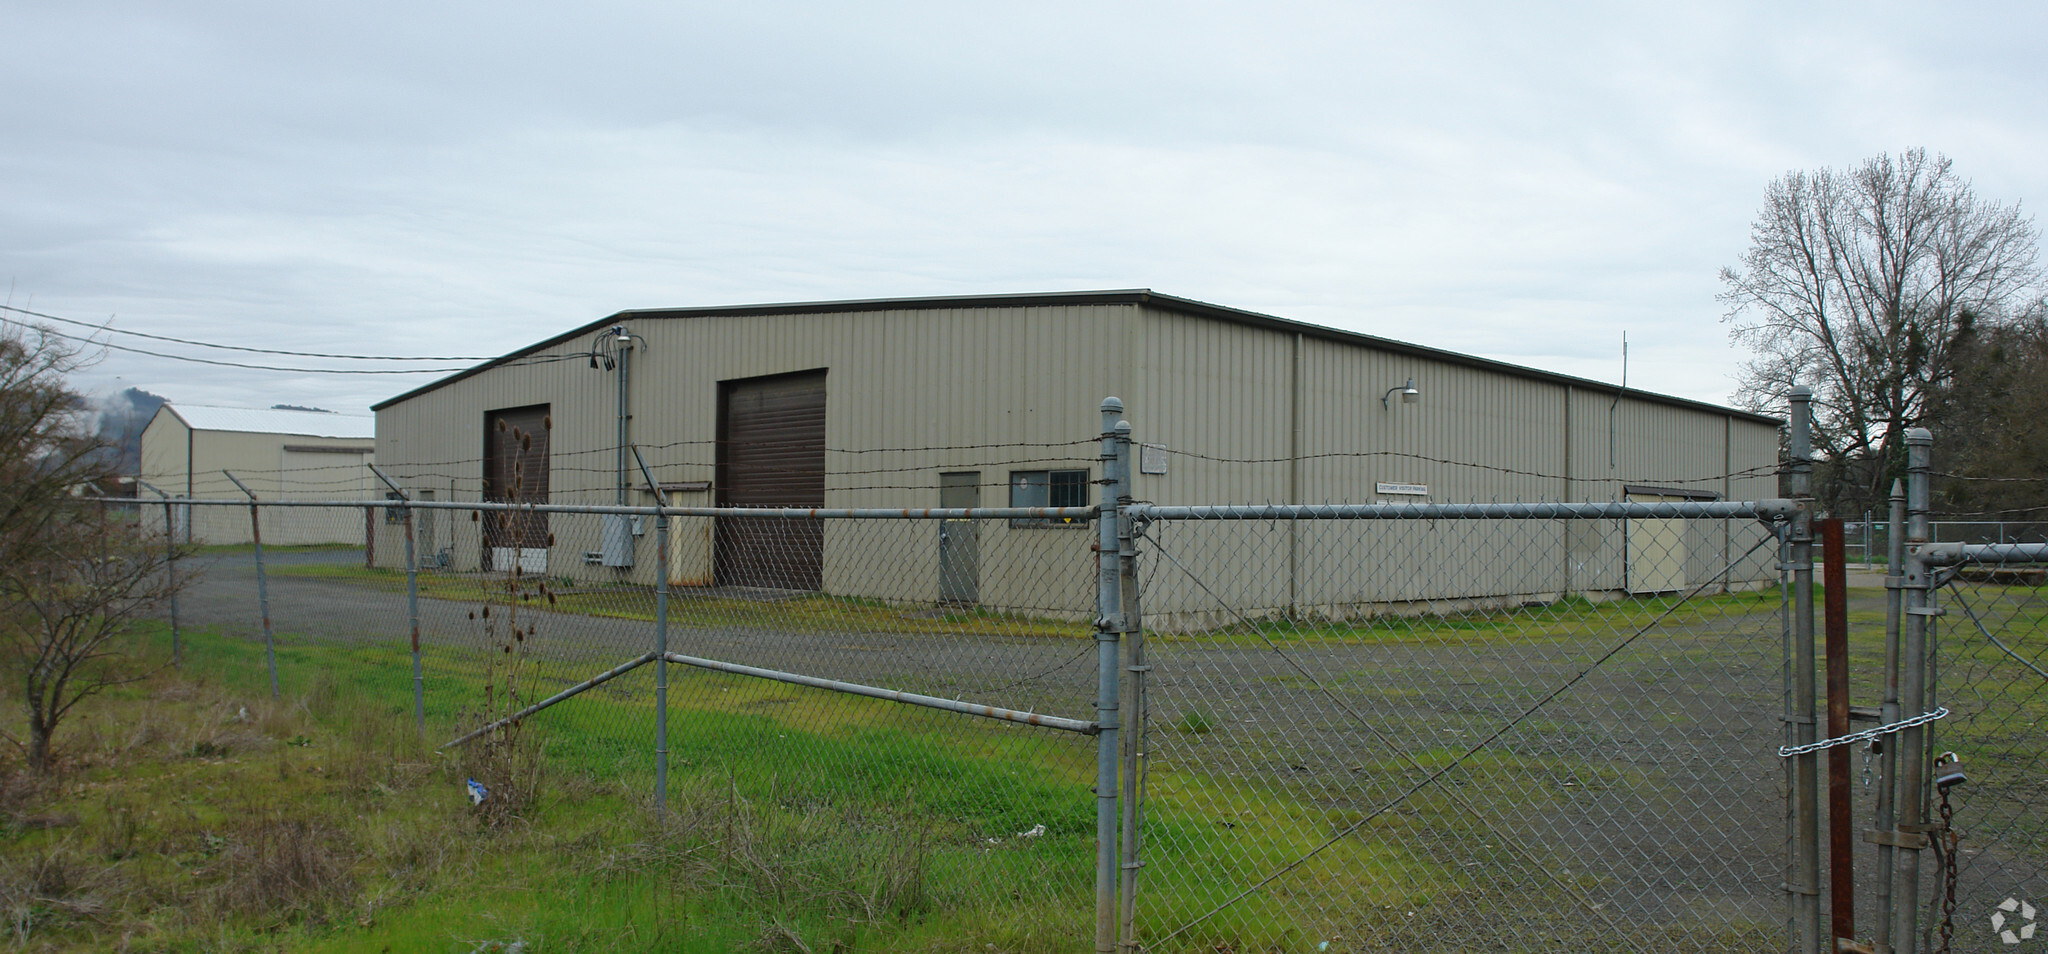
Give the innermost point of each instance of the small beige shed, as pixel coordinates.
(189, 449)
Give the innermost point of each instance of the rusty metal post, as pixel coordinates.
(262, 587)
(1841, 833)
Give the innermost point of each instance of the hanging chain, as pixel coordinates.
(1946, 844)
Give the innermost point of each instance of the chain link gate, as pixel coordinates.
(1988, 887)
(1453, 727)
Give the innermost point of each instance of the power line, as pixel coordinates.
(224, 364)
(227, 347)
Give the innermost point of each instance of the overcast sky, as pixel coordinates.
(465, 179)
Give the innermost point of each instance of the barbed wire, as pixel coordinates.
(1989, 480)
(1083, 460)
(1772, 469)
(647, 448)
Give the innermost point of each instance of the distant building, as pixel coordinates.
(189, 449)
(992, 401)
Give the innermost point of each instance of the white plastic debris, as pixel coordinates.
(1037, 831)
(477, 793)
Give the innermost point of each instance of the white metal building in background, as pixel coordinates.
(188, 449)
(992, 401)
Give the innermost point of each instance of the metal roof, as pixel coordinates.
(1130, 296)
(252, 420)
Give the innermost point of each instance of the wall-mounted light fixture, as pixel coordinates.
(1407, 391)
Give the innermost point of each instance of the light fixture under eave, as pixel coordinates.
(1409, 395)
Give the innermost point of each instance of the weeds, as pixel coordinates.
(1196, 722)
(50, 889)
(282, 868)
(503, 769)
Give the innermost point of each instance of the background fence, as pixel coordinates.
(1524, 727)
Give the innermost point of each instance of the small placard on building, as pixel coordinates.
(1402, 490)
(1151, 458)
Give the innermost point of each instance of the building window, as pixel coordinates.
(1048, 488)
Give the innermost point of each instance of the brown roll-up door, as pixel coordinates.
(516, 471)
(771, 453)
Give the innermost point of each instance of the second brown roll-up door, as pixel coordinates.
(771, 453)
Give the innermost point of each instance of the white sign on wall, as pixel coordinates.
(1151, 458)
(1403, 490)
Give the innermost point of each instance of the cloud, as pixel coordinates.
(1518, 182)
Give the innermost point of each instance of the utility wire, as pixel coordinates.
(227, 347)
(224, 364)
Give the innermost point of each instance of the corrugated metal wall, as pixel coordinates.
(1231, 404)
(911, 393)
(270, 469)
(914, 392)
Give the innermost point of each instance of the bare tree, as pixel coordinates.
(1860, 284)
(47, 446)
(72, 593)
(73, 577)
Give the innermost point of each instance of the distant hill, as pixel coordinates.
(122, 419)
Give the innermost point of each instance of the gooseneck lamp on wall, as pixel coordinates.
(1409, 395)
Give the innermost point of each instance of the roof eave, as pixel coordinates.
(1123, 296)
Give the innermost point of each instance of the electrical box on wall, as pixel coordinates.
(618, 540)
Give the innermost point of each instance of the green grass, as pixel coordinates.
(1573, 618)
(796, 818)
(224, 548)
(814, 613)
(871, 829)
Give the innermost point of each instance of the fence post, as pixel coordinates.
(1134, 743)
(412, 597)
(660, 631)
(1805, 886)
(1888, 713)
(1911, 792)
(1108, 627)
(661, 662)
(170, 572)
(262, 587)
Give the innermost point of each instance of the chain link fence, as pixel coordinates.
(1991, 665)
(1427, 726)
(899, 707)
(1452, 728)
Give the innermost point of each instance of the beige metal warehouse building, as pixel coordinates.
(992, 401)
(280, 454)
